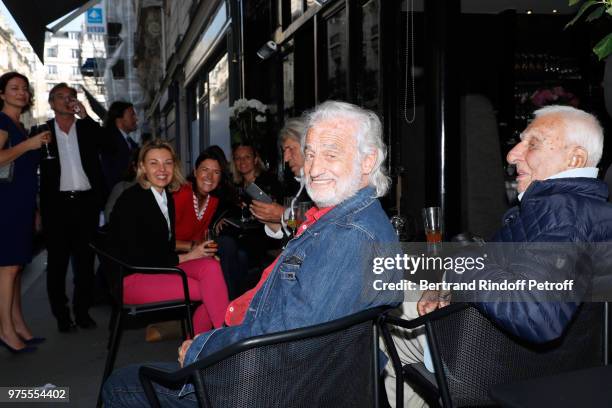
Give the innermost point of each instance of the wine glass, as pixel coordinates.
(43, 127)
(243, 199)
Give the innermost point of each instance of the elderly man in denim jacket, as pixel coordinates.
(325, 272)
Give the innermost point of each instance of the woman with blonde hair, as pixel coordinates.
(142, 228)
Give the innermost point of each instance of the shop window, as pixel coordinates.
(368, 87)
(288, 83)
(219, 105)
(337, 56)
(170, 125)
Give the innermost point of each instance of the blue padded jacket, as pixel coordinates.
(565, 210)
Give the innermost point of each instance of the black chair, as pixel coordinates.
(471, 354)
(123, 314)
(333, 364)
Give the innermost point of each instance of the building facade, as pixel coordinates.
(65, 55)
(120, 74)
(17, 55)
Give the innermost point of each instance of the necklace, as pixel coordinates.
(199, 214)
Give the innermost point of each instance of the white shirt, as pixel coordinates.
(282, 231)
(588, 172)
(162, 202)
(72, 175)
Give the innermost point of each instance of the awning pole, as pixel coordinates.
(73, 15)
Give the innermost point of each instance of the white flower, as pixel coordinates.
(260, 118)
(261, 107)
(252, 103)
(239, 106)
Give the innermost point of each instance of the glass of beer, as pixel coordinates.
(209, 235)
(297, 215)
(434, 224)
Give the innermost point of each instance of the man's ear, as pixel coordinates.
(578, 157)
(368, 162)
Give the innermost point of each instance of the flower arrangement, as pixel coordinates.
(557, 95)
(248, 121)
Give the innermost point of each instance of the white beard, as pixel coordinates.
(344, 190)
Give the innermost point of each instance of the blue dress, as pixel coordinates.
(18, 201)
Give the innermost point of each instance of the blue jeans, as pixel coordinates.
(123, 389)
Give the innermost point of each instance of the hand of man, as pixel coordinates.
(182, 351)
(264, 212)
(432, 300)
(219, 226)
(79, 109)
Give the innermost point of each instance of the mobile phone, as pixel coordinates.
(257, 193)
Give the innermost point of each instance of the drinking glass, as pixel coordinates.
(433, 223)
(243, 197)
(209, 235)
(43, 127)
(297, 215)
(75, 107)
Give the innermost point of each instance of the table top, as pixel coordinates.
(590, 387)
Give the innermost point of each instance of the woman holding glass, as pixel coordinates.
(199, 204)
(19, 156)
(142, 227)
(196, 202)
(247, 168)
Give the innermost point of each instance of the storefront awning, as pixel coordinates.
(33, 16)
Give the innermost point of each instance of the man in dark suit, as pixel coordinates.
(120, 121)
(72, 192)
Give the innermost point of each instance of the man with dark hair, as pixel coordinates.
(120, 121)
(72, 193)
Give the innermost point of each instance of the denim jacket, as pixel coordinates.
(322, 275)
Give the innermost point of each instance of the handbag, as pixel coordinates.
(6, 171)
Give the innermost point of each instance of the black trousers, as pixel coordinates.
(70, 221)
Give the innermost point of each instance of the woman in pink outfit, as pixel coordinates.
(142, 227)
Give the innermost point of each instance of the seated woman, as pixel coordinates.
(142, 228)
(198, 204)
(247, 168)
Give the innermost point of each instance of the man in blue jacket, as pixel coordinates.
(325, 272)
(562, 206)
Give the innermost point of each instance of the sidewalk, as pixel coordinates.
(74, 360)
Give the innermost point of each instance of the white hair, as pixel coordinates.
(581, 128)
(293, 129)
(368, 136)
